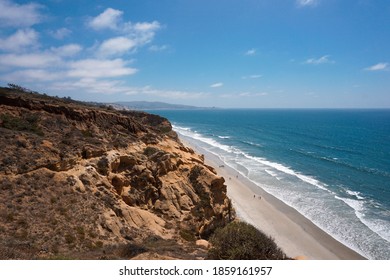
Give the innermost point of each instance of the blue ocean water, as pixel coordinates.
(333, 166)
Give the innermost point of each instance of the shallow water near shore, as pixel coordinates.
(333, 166)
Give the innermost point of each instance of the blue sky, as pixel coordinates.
(224, 53)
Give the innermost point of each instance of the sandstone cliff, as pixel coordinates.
(79, 181)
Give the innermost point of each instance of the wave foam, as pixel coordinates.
(355, 194)
(291, 172)
(200, 137)
(378, 226)
(229, 149)
(273, 174)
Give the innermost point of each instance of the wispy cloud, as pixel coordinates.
(16, 15)
(132, 35)
(31, 60)
(21, 39)
(250, 52)
(96, 68)
(249, 94)
(216, 85)
(170, 94)
(92, 85)
(382, 66)
(60, 33)
(117, 46)
(109, 19)
(33, 75)
(255, 76)
(304, 3)
(322, 60)
(156, 48)
(67, 50)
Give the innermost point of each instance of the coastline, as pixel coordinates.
(296, 235)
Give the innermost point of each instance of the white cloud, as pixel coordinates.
(146, 26)
(67, 50)
(20, 39)
(170, 94)
(378, 67)
(132, 35)
(32, 75)
(216, 85)
(44, 59)
(248, 94)
(255, 76)
(322, 60)
(33, 60)
(116, 46)
(304, 3)
(156, 48)
(142, 32)
(109, 19)
(95, 68)
(93, 85)
(112, 19)
(61, 33)
(15, 15)
(250, 52)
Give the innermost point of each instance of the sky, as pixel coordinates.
(222, 53)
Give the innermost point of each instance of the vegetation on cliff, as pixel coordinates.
(241, 241)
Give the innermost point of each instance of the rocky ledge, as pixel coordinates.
(88, 182)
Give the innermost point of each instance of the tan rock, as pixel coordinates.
(111, 223)
(139, 218)
(203, 243)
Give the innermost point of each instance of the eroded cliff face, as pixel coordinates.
(85, 182)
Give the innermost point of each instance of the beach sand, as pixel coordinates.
(294, 234)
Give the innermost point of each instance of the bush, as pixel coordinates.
(29, 122)
(241, 241)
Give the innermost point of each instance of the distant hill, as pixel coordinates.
(145, 105)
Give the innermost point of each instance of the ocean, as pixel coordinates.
(333, 166)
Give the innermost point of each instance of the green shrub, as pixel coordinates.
(241, 241)
(29, 122)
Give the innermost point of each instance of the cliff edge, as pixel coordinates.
(87, 182)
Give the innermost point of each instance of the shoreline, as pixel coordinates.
(296, 235)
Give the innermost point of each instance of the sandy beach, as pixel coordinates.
(295, 234)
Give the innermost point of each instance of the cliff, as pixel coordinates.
(87, 182)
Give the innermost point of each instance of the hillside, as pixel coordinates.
(85, 182)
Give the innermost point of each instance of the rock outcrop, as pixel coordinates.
(80, 181)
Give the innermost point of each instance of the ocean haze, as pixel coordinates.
(149, 105)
